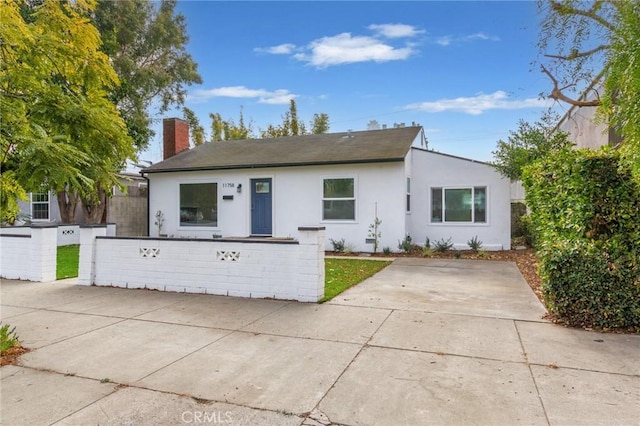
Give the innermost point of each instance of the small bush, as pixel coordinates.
(406, 245)
(527, 231)
(474, 244)
(338, 245)
(386, 250)
(427, 243)
(457, 254)
(442, 245)
(586, 286)
(427, 252)
(8, 338)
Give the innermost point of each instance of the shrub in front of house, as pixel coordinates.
(338, 245)
(442, 245)
(586, 223)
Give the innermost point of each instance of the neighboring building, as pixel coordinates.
(342, 181)
(42, 207)
(581, 123)
(127, 210)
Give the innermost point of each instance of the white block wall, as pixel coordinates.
(29, 257)
(291, 270)
(68, 235)
(15, 230)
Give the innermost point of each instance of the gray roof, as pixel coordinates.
(331, 148)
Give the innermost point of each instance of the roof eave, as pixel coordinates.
(272, 165)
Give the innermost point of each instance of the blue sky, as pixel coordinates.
(462, 70)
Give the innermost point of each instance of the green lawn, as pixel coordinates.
(340, 274)
(67, 261)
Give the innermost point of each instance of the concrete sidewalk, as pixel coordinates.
(425, 341)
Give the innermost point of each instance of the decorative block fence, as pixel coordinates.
(29, 252)
(29, 256)
(257, 268)
(67, 234)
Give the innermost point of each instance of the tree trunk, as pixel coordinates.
(67, 203)
(93, 209)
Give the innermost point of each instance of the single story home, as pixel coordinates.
(342, 181)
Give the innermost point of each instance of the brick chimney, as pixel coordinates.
(175, 136)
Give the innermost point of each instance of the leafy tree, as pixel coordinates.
(291, 124)
(195, 129)
(217, 127)
(373, 125)
(10, 193)
(320, 123)
(529, 143)
(228, 130)
(146, 42)
(597, 40)
(59, 130)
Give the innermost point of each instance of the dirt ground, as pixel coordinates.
(11, 355)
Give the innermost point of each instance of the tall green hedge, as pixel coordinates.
(585, 216)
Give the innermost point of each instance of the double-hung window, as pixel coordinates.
(459, 205)
(338, 199)
(40, 205)
(199, 204)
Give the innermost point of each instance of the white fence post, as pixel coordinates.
(311, 266)
(44, 249)
(86, 267)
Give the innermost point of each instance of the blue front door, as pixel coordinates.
(261, 206)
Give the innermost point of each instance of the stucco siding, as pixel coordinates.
(431, 169)
(584, 128)
(297, 201)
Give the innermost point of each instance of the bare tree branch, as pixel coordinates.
(575, 54)
(556, 93)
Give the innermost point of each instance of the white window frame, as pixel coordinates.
(473, 210)
(218, 204)
(354, 198)
(48, 203)
(408, 197)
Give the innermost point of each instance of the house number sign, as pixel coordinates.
(228, 185)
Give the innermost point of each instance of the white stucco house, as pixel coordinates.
(341, 181)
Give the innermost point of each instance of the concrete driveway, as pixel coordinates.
(425, 341)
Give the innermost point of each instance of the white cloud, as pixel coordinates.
(280, 96)
(476, 105)
(444, 40)
(345, 49)
(281, 49)
(395, 30)
(277, 98)
(480, 36)
(449, 39)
